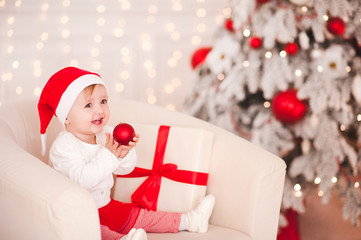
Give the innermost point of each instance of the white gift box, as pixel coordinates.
(188, 148)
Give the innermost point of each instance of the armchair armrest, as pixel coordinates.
(36, 202)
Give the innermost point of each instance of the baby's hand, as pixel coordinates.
(120, 151)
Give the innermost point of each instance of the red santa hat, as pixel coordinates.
(59, 94)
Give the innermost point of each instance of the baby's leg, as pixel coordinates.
(158, 221)
(108, 234)
(195, 220)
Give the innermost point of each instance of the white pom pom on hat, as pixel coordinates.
(59, 94)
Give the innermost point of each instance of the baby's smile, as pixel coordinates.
(97, 121)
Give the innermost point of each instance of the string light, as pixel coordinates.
(74, 63)
(319, 68)
(227, 12)
(172, 62)
(298, 73)
(152, 9)
(170, 27)
(124, 75)
(246, 32)
(15, 64)
(201, 12)
(11, 20)
(100, 9)
(245, 63)
(152, 99)
(175, 36)
(304, 9)
(125, 4)
(10, 33)
(66, 3)
(196, 40)
(359, 117)
(37, 91)
(177, 6)
(283, 53)
(170, 107)
(220, 76)
(297, 187)
(100, 22)
(97, 65)
(119, 87)
(177, 54)
(266, 104)
(169, 89)
(19, 90)
(317, 180)
(268, 54)
(93, 45)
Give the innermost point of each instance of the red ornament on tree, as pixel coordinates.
(287, 108)
(199, 56)
(123, 133)
(228, 24)
(336, 26)
(262, 1)
(291, 48)
(255, 42)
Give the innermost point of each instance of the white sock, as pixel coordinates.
(183, 223)
(198, 218)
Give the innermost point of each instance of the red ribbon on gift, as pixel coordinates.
(146, 195)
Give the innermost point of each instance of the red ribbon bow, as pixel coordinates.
(146, 195)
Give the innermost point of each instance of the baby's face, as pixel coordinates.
(89, 114)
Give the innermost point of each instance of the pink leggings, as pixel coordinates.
(150, 221)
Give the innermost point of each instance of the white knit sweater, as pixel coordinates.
(90, 165)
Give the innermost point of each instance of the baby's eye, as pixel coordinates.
(88, 105)
(104, 101)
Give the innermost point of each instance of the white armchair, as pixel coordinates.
(38, 203)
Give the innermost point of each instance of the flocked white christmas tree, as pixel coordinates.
(286, 74)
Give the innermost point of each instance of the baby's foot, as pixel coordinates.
(135, 234)
(197, 219)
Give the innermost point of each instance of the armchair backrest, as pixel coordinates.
(246, 180)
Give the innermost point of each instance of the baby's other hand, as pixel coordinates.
(120, 151)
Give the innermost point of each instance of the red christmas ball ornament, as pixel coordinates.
(228, 24)
(336, 26)
(255, 42)
(262, 1)
(287, 108)
(291, 48)
(123, 133)
(199, 56)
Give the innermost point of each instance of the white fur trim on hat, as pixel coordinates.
(72, 92)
